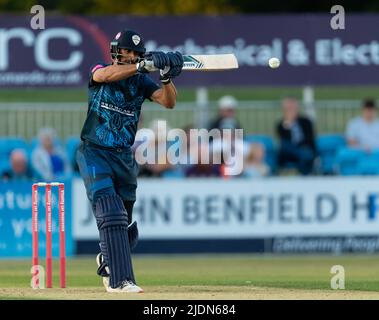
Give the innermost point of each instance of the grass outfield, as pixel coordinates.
(208, 277)
(187, 94)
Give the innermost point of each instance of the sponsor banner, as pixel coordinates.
(16, 220)
(243, 209)
(281, 245)
(335, 245)
(311, 52)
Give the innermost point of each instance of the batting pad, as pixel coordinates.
(112, 222)
(119, 259)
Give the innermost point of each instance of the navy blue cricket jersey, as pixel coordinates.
(114, 109)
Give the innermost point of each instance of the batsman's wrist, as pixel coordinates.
(165, 81)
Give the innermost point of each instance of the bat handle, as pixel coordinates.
(149, 65)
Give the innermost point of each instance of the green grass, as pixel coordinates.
(215, 273)
(189, 94)
(284, 272)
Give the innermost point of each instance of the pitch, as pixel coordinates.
(252, 277)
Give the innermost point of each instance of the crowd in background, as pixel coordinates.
(296, 150)
(47, 161)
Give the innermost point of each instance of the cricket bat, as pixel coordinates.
(204, 62)
(210, 62)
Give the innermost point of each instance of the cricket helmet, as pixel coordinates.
(127, 39)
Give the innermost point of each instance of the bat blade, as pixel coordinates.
(210, 62)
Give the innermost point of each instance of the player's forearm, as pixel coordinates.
(114, 73)
(169, 95)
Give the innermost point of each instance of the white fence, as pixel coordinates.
(25, 119)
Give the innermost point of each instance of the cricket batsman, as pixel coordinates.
(105, 160)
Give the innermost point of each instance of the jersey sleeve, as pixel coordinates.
(95, 67)
(149, 87)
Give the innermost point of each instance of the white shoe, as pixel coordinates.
(126, 286)
(99, 260)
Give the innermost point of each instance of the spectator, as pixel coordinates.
(157, 161)
(188, 157)
(226, 118)
(48, 160)
(297, 138)
(201, 169)
(254, 164)
(232, 153)
(363, 132)
(19, 167)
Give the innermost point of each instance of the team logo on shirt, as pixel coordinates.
(112, 107)
(136, 39)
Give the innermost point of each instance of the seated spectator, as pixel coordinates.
(297, 138)
(232, 151)
(255, 166)
(19, 167)
(202, 168)
(48, 160)
(157, 157)
(226, 118)
(363, 132)
(191, 147)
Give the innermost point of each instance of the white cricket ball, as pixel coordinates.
(274, 63)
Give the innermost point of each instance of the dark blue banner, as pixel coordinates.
(311, 52)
